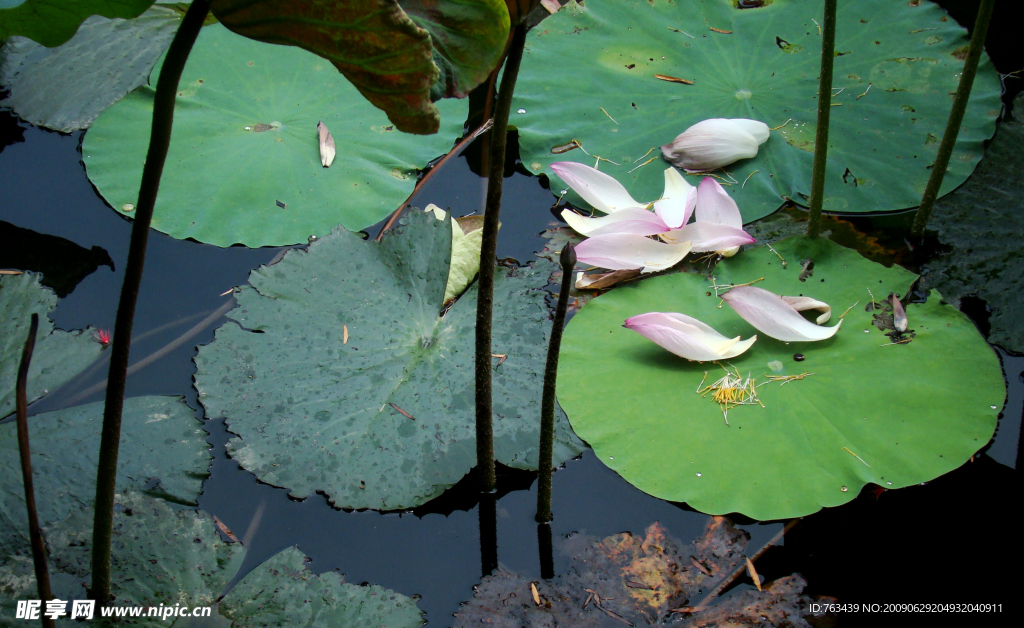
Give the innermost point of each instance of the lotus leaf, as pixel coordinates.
(980, 222)
(53, 22)
(897, 63)
(244, 161)
(341, 377)
(59, 355)
(867, 409)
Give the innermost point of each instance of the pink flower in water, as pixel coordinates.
(101, 336)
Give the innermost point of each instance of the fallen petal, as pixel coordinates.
(600, 281)
(899, 315)
(705, 237)
(677, 203)
(327, 151)
(710, 144)
(770, 314)
(622, 251)
(635, 220)
(687, 337)
(715, 205)
(759, 130)
(801, 304)
(595, 187)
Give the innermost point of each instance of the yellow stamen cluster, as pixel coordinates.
(731, 391)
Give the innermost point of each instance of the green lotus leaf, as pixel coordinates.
(283, 592)
(872, 411)
(388, 54)
(53, 22)
(980, 222)
(163, 452)
(896, 68)
(341, 378)
(58, 356)
(65, 88)
(244, 161)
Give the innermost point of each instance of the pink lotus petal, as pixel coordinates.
(687, 337)
(801, 304)
(600, 190)
(635, 220)
(709, 236)
(677, 203)
(770, 314)
(715, 205)
(621, 251)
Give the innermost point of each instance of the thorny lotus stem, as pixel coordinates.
(488, 533)
(159, 140)
(547, 556)
(547, 408)
(956, 117)
(828, 48)
(21, 401)
(488, 251)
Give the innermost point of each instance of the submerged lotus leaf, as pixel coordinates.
(244, 161)
(872, 412)
(65, 88)
(58, 356)
(283, 592)
(53, 22)
(163, 452)
(897, 65)
(981, 222)
(340, 377)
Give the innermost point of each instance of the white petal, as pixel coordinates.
(599, 281)
(635, 220)
(677, 203)
(600, 190)
(899, 315)
(621, 251)
(709, 236)
(801, 304)
(327, 148)
(715, 205)
(687, 337)
(710, 144)
(756, 128)
(770, 314)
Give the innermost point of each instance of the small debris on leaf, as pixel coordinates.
(327, 150)
(673, 79)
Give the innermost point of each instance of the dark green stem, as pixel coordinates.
(547, 407)
(488, 533)
(35, 535)
(159, 140)
(488, 252)
(956, 118)
(828, 48)
(547, 556)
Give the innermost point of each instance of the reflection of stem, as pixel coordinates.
(547, 556)
(159, 141)
(488, 534)
(21, 401)
(488, 251)
(956, 117)
(547, 406)
(828, 47)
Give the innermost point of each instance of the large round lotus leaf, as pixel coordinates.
(244, 161)
(163, 452)
(897, 65)
(982, 223)
(341, 378)
(58, 356)
(53, 22)
(283, 592)
(911, 411)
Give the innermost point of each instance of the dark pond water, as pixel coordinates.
(955, 539)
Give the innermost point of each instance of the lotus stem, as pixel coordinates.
(488, 252)
(488, 533)
(828, 48)
(547, 556)
(547, 409)
(159, 140)
(35, 535)
(956, 118)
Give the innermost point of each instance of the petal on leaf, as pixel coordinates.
(677, 203)
(705, 237)
(770, 314)
(635, 220)
(600, 190)
(687, 337)
(623, 251)
(715, 205)
(801, 304)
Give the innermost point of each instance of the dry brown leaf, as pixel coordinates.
(536, 595)
(344, 334)
(327, 150)
(223, 528)
(753, 573)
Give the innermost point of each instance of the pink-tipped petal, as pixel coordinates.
(709, 236)
(622, 251)
(600, 190)
(635, 220)
(770, 314)
(677, 203)
(687, 337)
(899, 315)
(715, 205)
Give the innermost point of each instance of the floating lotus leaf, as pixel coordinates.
(163, 452)
(244, 161)
(981, 221)
(872, 411)
(58, 356)
(897, 65)
(53, 22)
(65, 88)
(341, 378)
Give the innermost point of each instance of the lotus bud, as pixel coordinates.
(715, 143)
